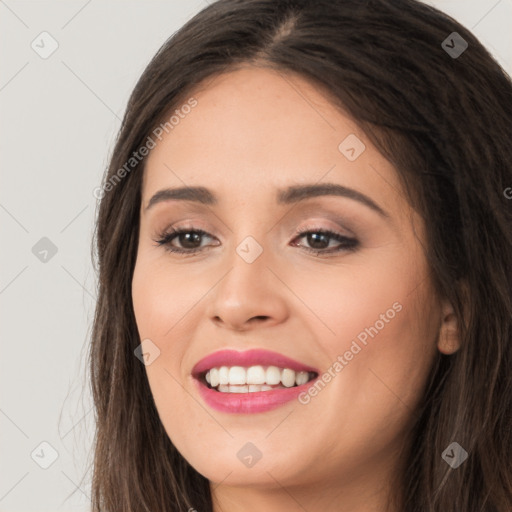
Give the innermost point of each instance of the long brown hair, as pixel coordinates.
(445, 122)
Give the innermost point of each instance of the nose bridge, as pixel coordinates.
(248, 289)
(250, 250)
(250, 235)
(247, 278)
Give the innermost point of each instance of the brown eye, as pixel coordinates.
(319, 240)
(189, 239)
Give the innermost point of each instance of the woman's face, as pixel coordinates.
(362, 312)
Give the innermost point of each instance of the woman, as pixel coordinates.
(304, 246)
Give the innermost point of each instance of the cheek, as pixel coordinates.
(164, 298)
(375, 332)
(377, 364)
(368, 300)
(162, 308)
(166, 304)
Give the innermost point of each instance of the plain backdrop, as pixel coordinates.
(59, 119)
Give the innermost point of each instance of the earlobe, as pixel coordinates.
(449, 341)
(449, 335)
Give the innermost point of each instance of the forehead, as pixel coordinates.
(254, 112)
(254, 130)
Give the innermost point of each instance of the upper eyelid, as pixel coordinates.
(309, 225)
(337, 221)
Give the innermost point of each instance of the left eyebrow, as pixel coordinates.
(288, 195)
(298, 193)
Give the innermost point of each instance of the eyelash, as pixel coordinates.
(348, 244)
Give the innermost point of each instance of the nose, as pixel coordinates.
(249, 295)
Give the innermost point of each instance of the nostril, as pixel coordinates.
(259, 317)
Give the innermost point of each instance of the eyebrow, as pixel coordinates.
(292, 194)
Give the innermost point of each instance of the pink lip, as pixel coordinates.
(248, 403)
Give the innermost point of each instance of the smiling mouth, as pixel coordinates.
(239, 379)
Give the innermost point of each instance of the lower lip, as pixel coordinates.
(249, 403)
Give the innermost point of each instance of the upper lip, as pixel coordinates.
(248, 358)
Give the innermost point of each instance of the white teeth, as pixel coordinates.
(214, 377)
(256, 375)
(237, 375)
(237, 379)
(259, 387)
(239, 389)
(224, 375)
(251, 388)
(273, 375)
(301, 378)
(288, 377)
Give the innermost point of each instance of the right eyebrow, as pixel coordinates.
(198, 194)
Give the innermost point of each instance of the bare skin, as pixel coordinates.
(250, 134)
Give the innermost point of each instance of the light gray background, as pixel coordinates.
(59, 119)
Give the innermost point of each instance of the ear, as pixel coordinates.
(448, 340)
